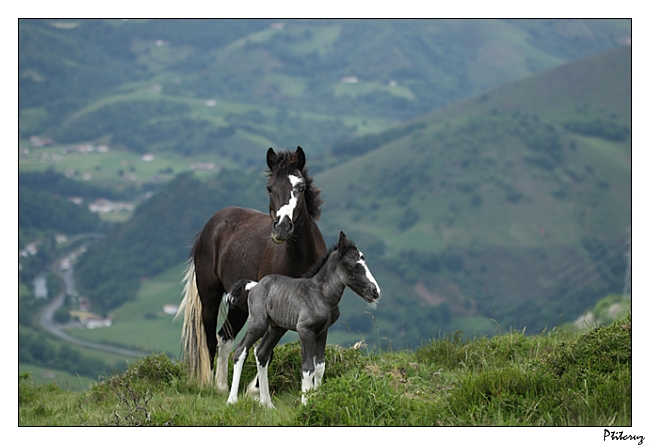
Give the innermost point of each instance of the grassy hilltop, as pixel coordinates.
(551, 379)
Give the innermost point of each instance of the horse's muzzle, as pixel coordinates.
(280, 232)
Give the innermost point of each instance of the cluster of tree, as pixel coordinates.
(412, 265)
(57, 184)
(44, 211)
(160, 233)
(602, 128)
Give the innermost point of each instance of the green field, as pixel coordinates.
(142, 323)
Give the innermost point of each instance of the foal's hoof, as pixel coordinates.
(223, 389)
(231, 400)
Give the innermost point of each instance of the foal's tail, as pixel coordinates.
(195, 347)
(238, 295)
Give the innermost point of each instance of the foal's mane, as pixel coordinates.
(321, 261)
(286, 163)
(318, 265)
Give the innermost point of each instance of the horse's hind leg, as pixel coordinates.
(226, 338)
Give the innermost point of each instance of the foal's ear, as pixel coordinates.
(343, 241)
(301, 158)
(271, 158)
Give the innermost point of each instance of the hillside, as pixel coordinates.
(513, 205)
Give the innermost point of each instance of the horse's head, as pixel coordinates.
(286, 186)
(357, 275)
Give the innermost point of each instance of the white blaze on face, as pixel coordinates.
(362, 261)
(287, 209)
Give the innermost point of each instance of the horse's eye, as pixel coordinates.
(269, 189)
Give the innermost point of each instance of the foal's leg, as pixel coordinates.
(321, 343)
(239, 357)
(263, 353)
(319, 359)
(308, 349)
(255, 331)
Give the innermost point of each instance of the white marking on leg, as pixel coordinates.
(263, 376)
(319, 372)
(221, 378)
(236, 376)
(307, 385)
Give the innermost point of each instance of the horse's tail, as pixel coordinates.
(195, 347)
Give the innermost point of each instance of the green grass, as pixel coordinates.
(553, 379)
(41, 376)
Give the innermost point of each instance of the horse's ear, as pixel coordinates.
(301, 158)
(343, 241)
(271, 158)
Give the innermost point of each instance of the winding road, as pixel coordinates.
(46, 317)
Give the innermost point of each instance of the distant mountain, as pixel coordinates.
(228, 86)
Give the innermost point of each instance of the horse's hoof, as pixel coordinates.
(253, 391)
(268, 404)
(223, 389)
(231, 400)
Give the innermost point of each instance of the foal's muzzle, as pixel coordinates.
(375, 292)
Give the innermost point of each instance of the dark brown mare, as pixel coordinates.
(237, 244)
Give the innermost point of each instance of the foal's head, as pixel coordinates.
(291, 194)
(357, 275)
